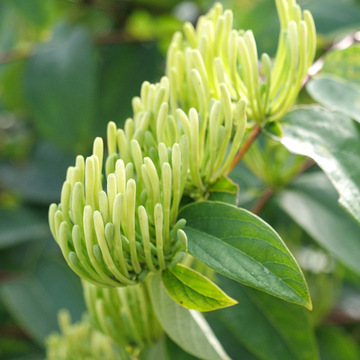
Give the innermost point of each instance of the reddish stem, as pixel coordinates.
(253, 135)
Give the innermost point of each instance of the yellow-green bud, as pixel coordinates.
(114, 236)
(80, 341)
(124, 314)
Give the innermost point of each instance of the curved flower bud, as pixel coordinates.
(214, 140)
(217, 54)
(114, 237)
(80, 341)
(124, 314)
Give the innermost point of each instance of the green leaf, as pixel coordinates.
(229, 339)
(241, 246)
(121, 73)
(336, 94)
(193, 290)
(187, 328)
(19, 225)
(311, 202)
(269, 328)
(39, 180)
(224, 190)
(336, 344)
(60, 85)
(35, 298)
(11, 86)
(334, 16)
(344, 63)
(333, 141)
(37, 12)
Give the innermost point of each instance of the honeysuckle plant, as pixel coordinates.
(136, 220)
(201, 59)
(80, 341)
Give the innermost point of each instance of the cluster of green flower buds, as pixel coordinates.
(210, 125)
(124, 314)
(215, 134)
(115, 237)
(80, 341)
(214, 53)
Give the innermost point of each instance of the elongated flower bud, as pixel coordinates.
(214, 139)
(213, 53)
(80, 341)
(114, 236)
(124, 314)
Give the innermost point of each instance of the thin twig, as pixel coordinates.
(342, 44)
(269, 191)
(13, 332)
(263, 200)
(253, 135)
(15, 55)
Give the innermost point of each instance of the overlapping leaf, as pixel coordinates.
(311, 202)
(185, 327)
(336, 94)
(269, 328)
(193, 290)
(333, 141)
(241, 246)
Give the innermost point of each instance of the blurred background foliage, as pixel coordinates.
(68, 67)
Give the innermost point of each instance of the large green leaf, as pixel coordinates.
(336, 94)
(224, 190)
(344, 63)
(311, 202)
(37, 12)
(39, 180)
(35, 298)
(193, 290)
(333, 16)
(121, 73)
(240, 245)
(333, 141)
(19, 225)
(187, 328)
(60, 86)
(269, 328)
(336, 344)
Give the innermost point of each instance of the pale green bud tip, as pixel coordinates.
(113, 236)
(80, 341)
(102, 303)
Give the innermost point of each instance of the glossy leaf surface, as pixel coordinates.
(60, 85)
(335, 343)
(224, 190)
(35, 298)
(241, 246)
(193, 290)
(311, 202)
(187, 328)
(336, 94)
(344, 63)
(269, 328)
(333, 141)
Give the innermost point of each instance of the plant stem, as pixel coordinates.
(15, 55)
(263, 200)
(342, 44)
(253, 135)
(269, 191)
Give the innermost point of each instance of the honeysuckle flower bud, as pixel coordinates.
(216, 54)
(146, 108)
(124, 314)
(80, 341)
(114, 237)
(214, 139)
